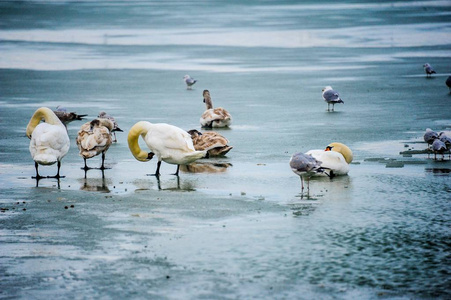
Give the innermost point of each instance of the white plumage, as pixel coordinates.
(49, 141)
(169, 143)
(335, 158)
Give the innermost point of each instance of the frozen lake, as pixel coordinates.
(234, 227)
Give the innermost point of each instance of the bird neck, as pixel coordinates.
(208, 102)
(139, 129)
(42, 113)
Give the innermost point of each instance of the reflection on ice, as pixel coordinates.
(95, 184)
(205, 167)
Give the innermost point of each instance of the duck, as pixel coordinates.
(428, 70)
(104, 115)
(305, 165)
(49, 141)
(95, 138)
(213, 142)
(331, 97)
(335, 158)
(189, 81)
(169, 143)
(67, 117)
(214, 117)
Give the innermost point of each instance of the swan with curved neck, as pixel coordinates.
(169, 143)
(95, 138)
(214, 117)
(49, 141)
(336, 158)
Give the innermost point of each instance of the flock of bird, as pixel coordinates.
(49, 140)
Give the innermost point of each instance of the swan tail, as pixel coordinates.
(139, 129)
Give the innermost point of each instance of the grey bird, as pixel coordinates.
(447, 140)
(438, 147)
(306, 166)
(67, 117)
(104, 115)
(430, 136)
(189, 81)
(331, 97)
(448, 83)
(428, 69)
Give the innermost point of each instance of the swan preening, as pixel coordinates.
(331, 97)
(169, 143)
(214, 117)
(104, 115)
(95, 138)
(332, 161)
(189, 81)
(214, 143)
(49, 141)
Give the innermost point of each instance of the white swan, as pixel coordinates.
(49, 141)
(94, 138)
(335, 158)
(214, 117)
(169, 143)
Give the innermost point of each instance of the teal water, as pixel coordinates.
(238, 227)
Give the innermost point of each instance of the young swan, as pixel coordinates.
(104, 115)
(169, 143)
(94, 138)
(214, 117)
(213, 142)
(49, 141)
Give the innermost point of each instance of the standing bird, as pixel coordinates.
(169, 143)
(189, 81)
(306, 166)
(213, 142)
(430, 136)
(438, 147)
(448, 83)
(214, 117)
(94, 138)
(428, 70)
(447, 140)
(104, 115)
(331, 97)
(67, 117)
(49, 141)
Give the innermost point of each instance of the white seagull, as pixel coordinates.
(428, 70)
(189, 81)
(331, 97)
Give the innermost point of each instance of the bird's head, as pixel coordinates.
(327, 88)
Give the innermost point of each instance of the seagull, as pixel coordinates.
(305, 165)
(429, 136)
(428, 69)
(104, 115)
(331, 97)
(438, 147)
(66, 117)
(189, 81)
(447, 140)
(448, 83)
